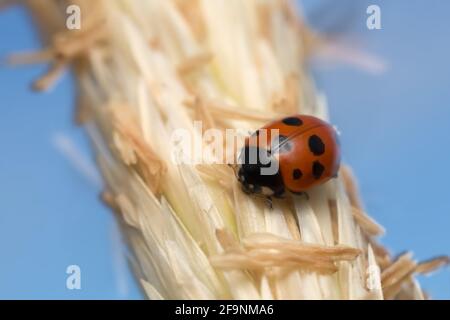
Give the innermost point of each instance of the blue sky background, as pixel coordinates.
(395, 134)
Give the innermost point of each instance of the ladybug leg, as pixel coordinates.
(301, 194)
(268, 199)
(280, 193)
(269, 202)
(235, 169)
(246, 191)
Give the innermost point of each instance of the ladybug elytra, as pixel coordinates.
(304, 152)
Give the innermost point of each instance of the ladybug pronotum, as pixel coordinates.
(305, 152)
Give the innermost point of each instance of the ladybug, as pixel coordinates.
(291, 154)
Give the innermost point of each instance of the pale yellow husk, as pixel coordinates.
(147, 67)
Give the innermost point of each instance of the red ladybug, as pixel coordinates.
(302, 154)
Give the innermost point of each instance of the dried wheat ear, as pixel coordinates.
(146, 68)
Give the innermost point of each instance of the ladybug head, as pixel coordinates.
(259, 172)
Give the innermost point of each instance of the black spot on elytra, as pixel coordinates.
(281, 144)
(316, 145)
(317, 169)
(296, 174)
(292, 121)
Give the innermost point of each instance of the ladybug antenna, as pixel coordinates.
(234, 167)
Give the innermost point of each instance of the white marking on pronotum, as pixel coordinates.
(66, 146)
